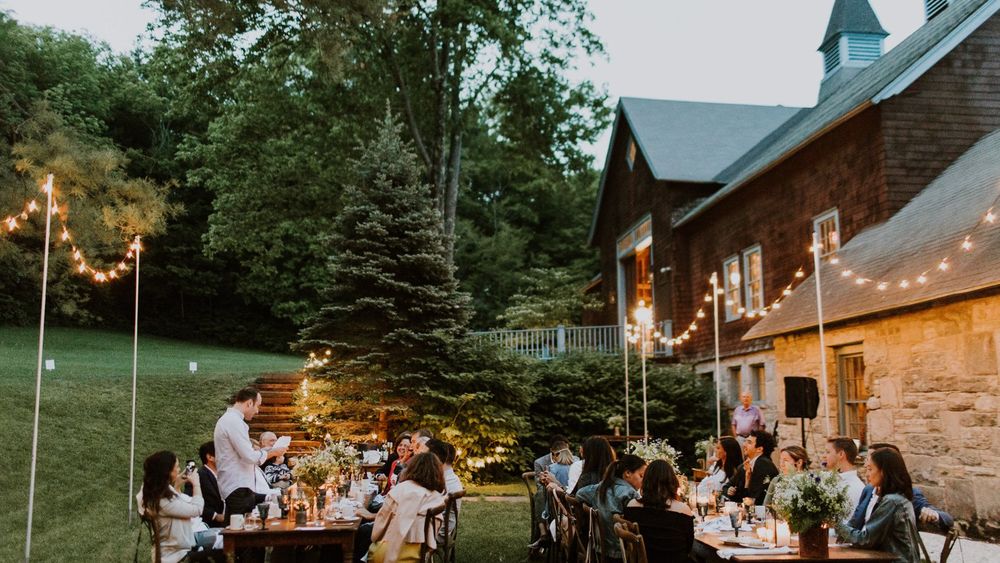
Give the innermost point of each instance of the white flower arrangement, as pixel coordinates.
(811, 498)
(328, 463)
(656, 449)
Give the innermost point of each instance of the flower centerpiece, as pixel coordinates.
(660, 449)
(704, 449)
(330, 462)
(615, 423)
(810, 502)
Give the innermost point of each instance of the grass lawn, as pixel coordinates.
(81, 492)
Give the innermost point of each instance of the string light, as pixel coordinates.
(98, 275)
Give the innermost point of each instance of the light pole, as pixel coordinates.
(625, 349)
(644, 319)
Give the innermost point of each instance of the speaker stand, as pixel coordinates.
(802, 423)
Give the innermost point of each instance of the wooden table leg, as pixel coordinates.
(229, 548)
(347, 547)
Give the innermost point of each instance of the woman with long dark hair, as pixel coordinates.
(597, 456)
(399, 526)
(621, 483)
(665, 522)
(892, 526)
(171, 510)
(728, 458)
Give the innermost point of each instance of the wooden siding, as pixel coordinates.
(942, 114)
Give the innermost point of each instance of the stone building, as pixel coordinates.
(911, 312)
(689, 190)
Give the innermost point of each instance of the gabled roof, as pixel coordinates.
(889, 75)
(852, 16)
(930, 228)
(690, 141)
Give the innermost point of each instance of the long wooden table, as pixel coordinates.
(707, 546)
(282, 533)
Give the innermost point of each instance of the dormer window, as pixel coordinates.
(630, 153)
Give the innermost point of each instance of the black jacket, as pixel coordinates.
(213, 500)
(763, 471)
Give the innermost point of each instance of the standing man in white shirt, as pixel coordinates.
(841, 453)
(235, 458)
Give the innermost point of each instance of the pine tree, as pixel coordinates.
(392, 306)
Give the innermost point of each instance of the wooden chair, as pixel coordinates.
(445, 552)
(154, 538)
(586, 544)
(430, 530)
(529, 482)
(557, 512)
(632, 545)
(595, 524)
(949, 543)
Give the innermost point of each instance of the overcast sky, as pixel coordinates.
(738, 51)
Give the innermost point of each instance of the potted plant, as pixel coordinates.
(811, 502)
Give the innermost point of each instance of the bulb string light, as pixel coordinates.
(751, 314)
(80, 265)
(939, 268)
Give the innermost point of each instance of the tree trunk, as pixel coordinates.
(451, 198)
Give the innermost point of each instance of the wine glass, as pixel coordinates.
(736, 519)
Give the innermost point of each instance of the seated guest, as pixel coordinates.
(892, 526)
(792, 459)
(597, 456)
(214, 513)
(841, 455)
(394, 464)
(619, 486)
(728, 458)
(754, 476)
(399, 527)
(925, 511)
(171, 511)
(419, 444)
(666, 523)
(541, 467)
(562, 458)
(276, 469)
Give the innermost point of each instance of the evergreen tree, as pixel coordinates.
(392, 306)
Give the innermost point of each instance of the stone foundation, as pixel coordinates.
(934, 391)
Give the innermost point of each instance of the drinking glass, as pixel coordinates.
(263, 509)
(736, 519)
(703, 510)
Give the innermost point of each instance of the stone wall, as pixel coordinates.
(934, 391)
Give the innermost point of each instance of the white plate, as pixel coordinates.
(754, 544)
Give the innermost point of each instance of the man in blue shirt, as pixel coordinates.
(925, 511)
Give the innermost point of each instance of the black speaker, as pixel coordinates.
(801, 397)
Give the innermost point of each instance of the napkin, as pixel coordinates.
(730, 553)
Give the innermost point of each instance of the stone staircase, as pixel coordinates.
(277, 414)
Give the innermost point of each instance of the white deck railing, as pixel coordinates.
(546, 343)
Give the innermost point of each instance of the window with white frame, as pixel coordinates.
(630, 152)
(827, 225)
(753, 278)
(731, 284)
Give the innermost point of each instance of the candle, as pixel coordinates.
(784, 534)
(764, 534)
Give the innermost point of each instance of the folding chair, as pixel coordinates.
(632, 545)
